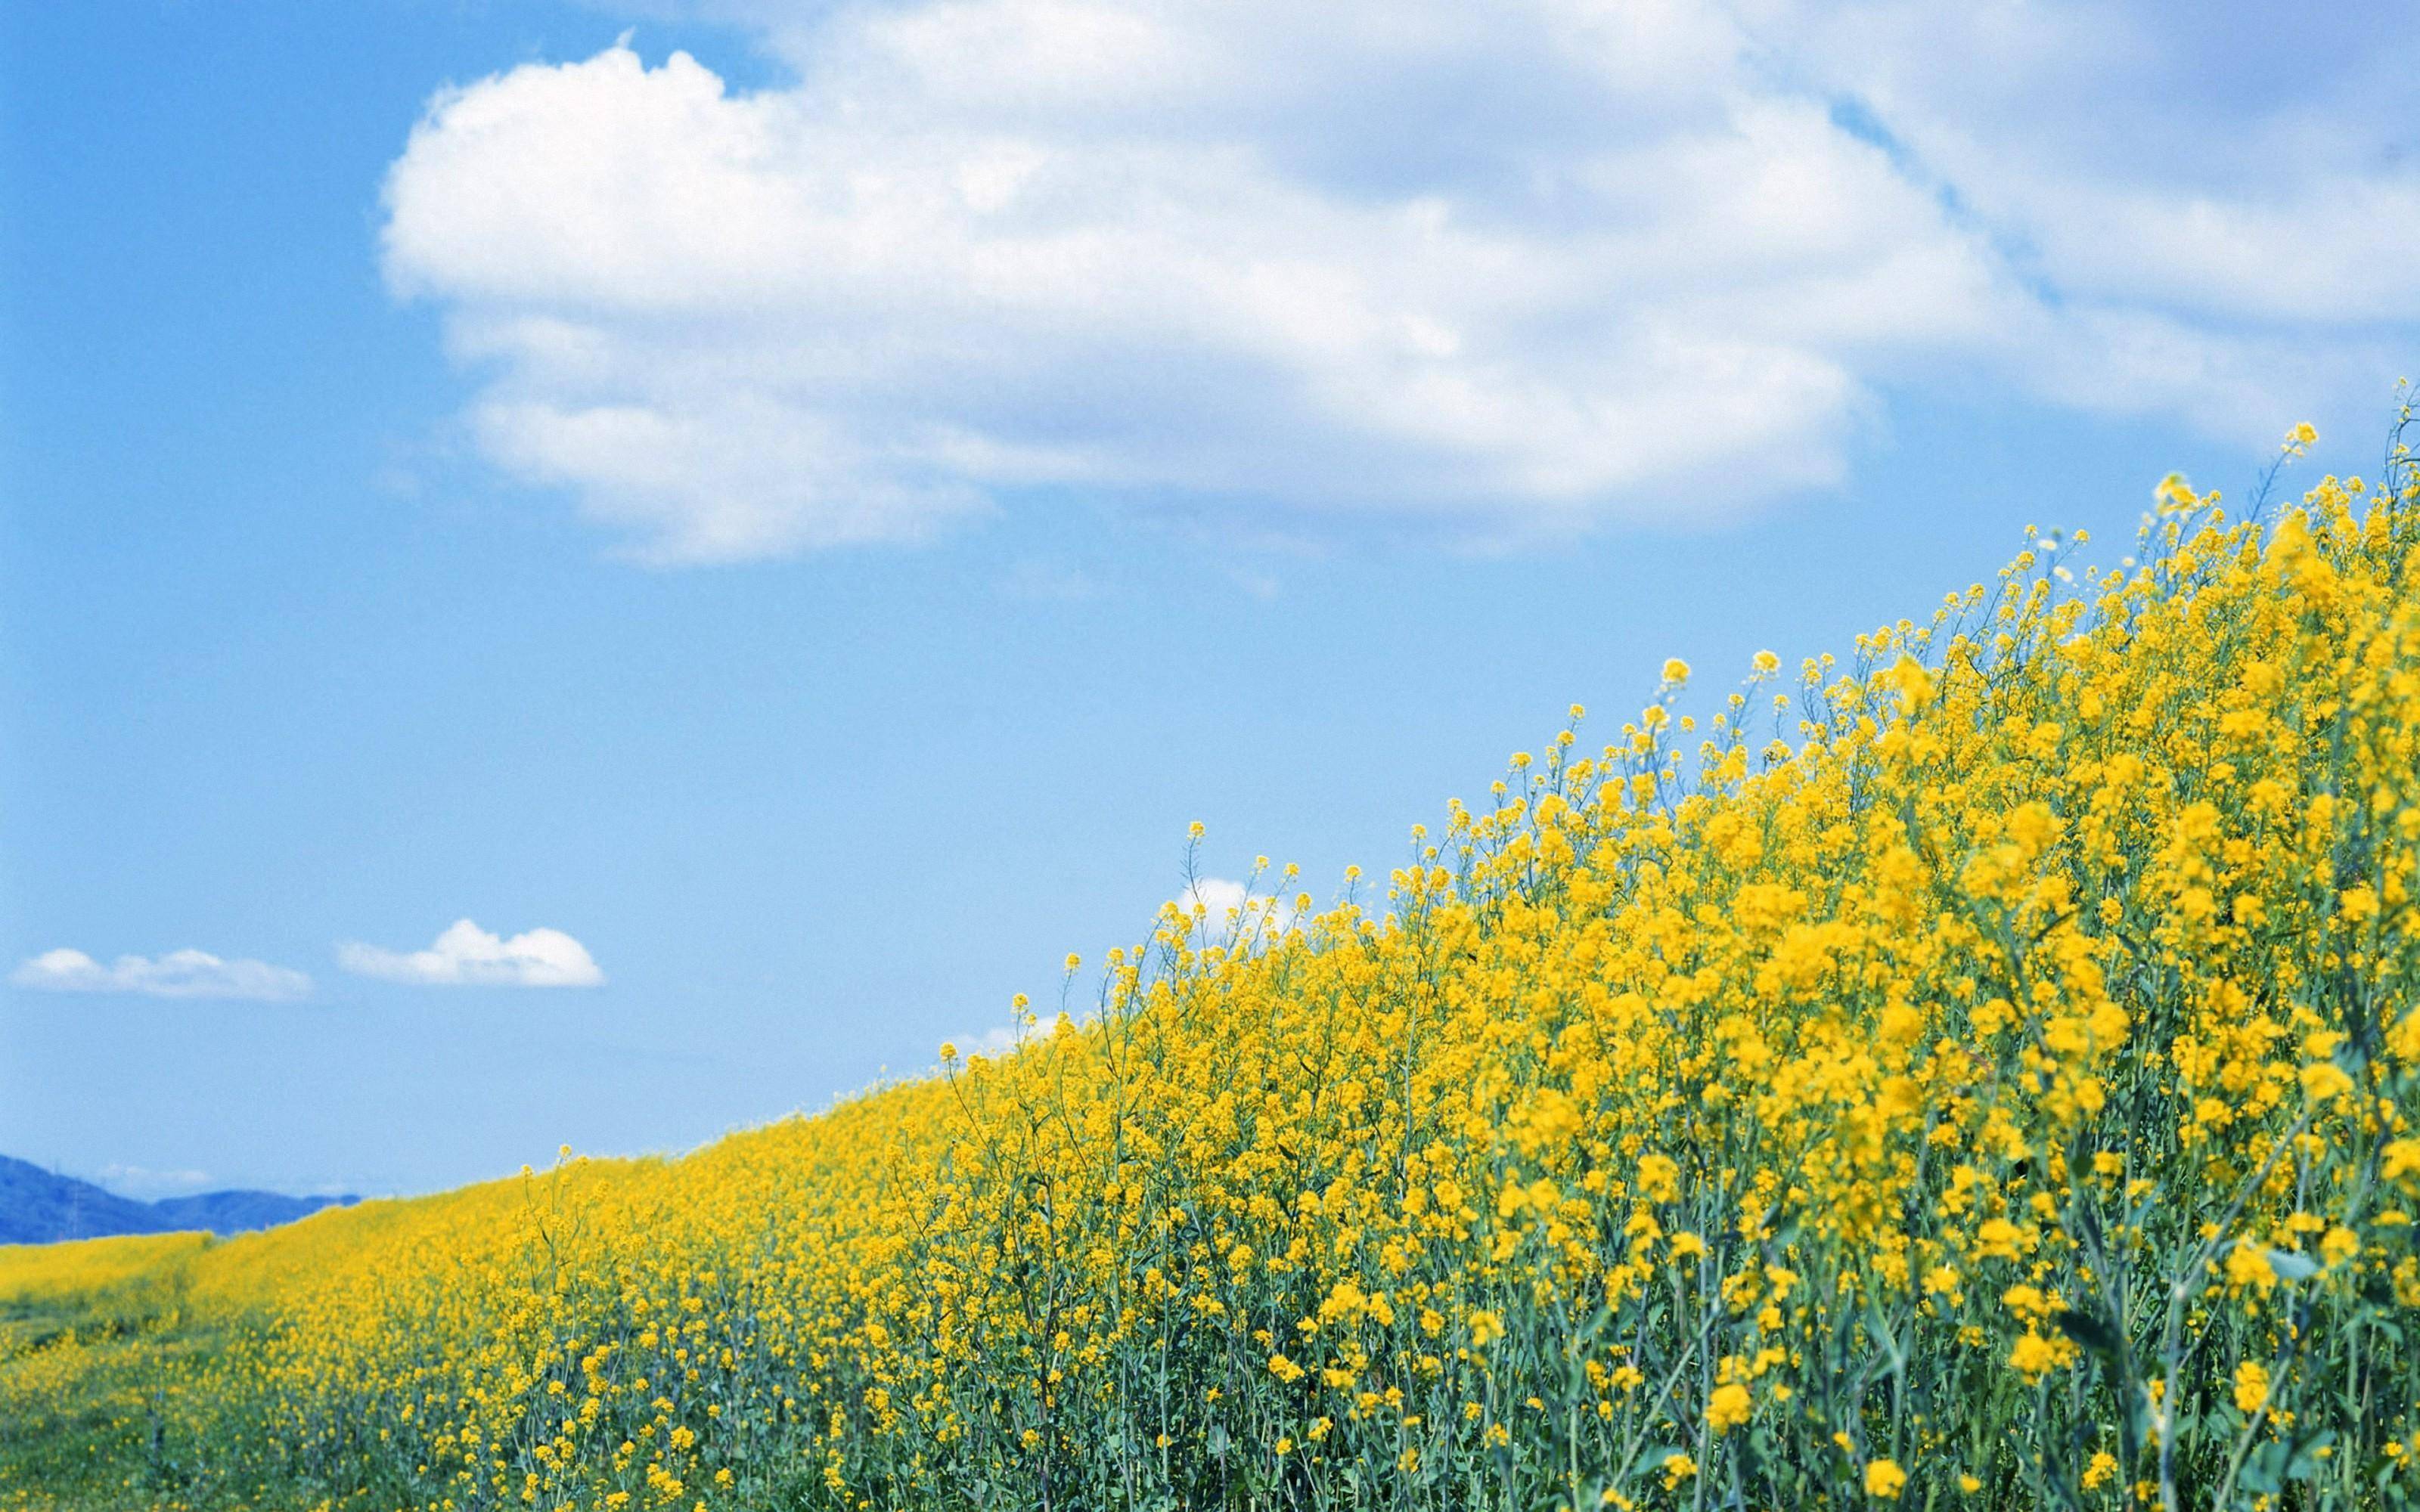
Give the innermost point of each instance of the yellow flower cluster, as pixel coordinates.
(1981, 1073)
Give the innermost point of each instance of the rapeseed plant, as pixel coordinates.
(1979, 1073)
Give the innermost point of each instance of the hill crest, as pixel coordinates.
(40, 1207)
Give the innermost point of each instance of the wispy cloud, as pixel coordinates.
(177, 974)
(998, 1040)
(142, 1181)
(1511, 269)
(466, 955)
(1001, 1039)
(1035, 580)
(1222, 912)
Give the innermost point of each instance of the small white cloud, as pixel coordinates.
(1224, 912)
(1034, 580)
(142, 1181)
(992, 1041)
(1002, 1040)
(468, 956)
(177, 974)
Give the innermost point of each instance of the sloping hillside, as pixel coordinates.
(1981, 1073)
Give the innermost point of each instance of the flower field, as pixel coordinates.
(1981, 1072)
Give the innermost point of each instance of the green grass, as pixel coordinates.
(87, 1333)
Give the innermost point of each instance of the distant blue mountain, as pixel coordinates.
(37, 1207)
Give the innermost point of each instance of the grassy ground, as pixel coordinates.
(87, 1332)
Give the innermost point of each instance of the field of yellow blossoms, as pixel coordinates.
(1979, 1072)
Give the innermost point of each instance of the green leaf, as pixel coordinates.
(2088, 1331)
(1650, 1460)
(2306, 1462)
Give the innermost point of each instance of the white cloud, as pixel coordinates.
(1219, 912)
(1223, 912)
(466, 955)
(1512, 270)
(998, 1040)
(177, 974)
(142, 1181)
(2200, 168)
(1003, 1039)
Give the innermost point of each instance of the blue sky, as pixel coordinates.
(803, 526)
